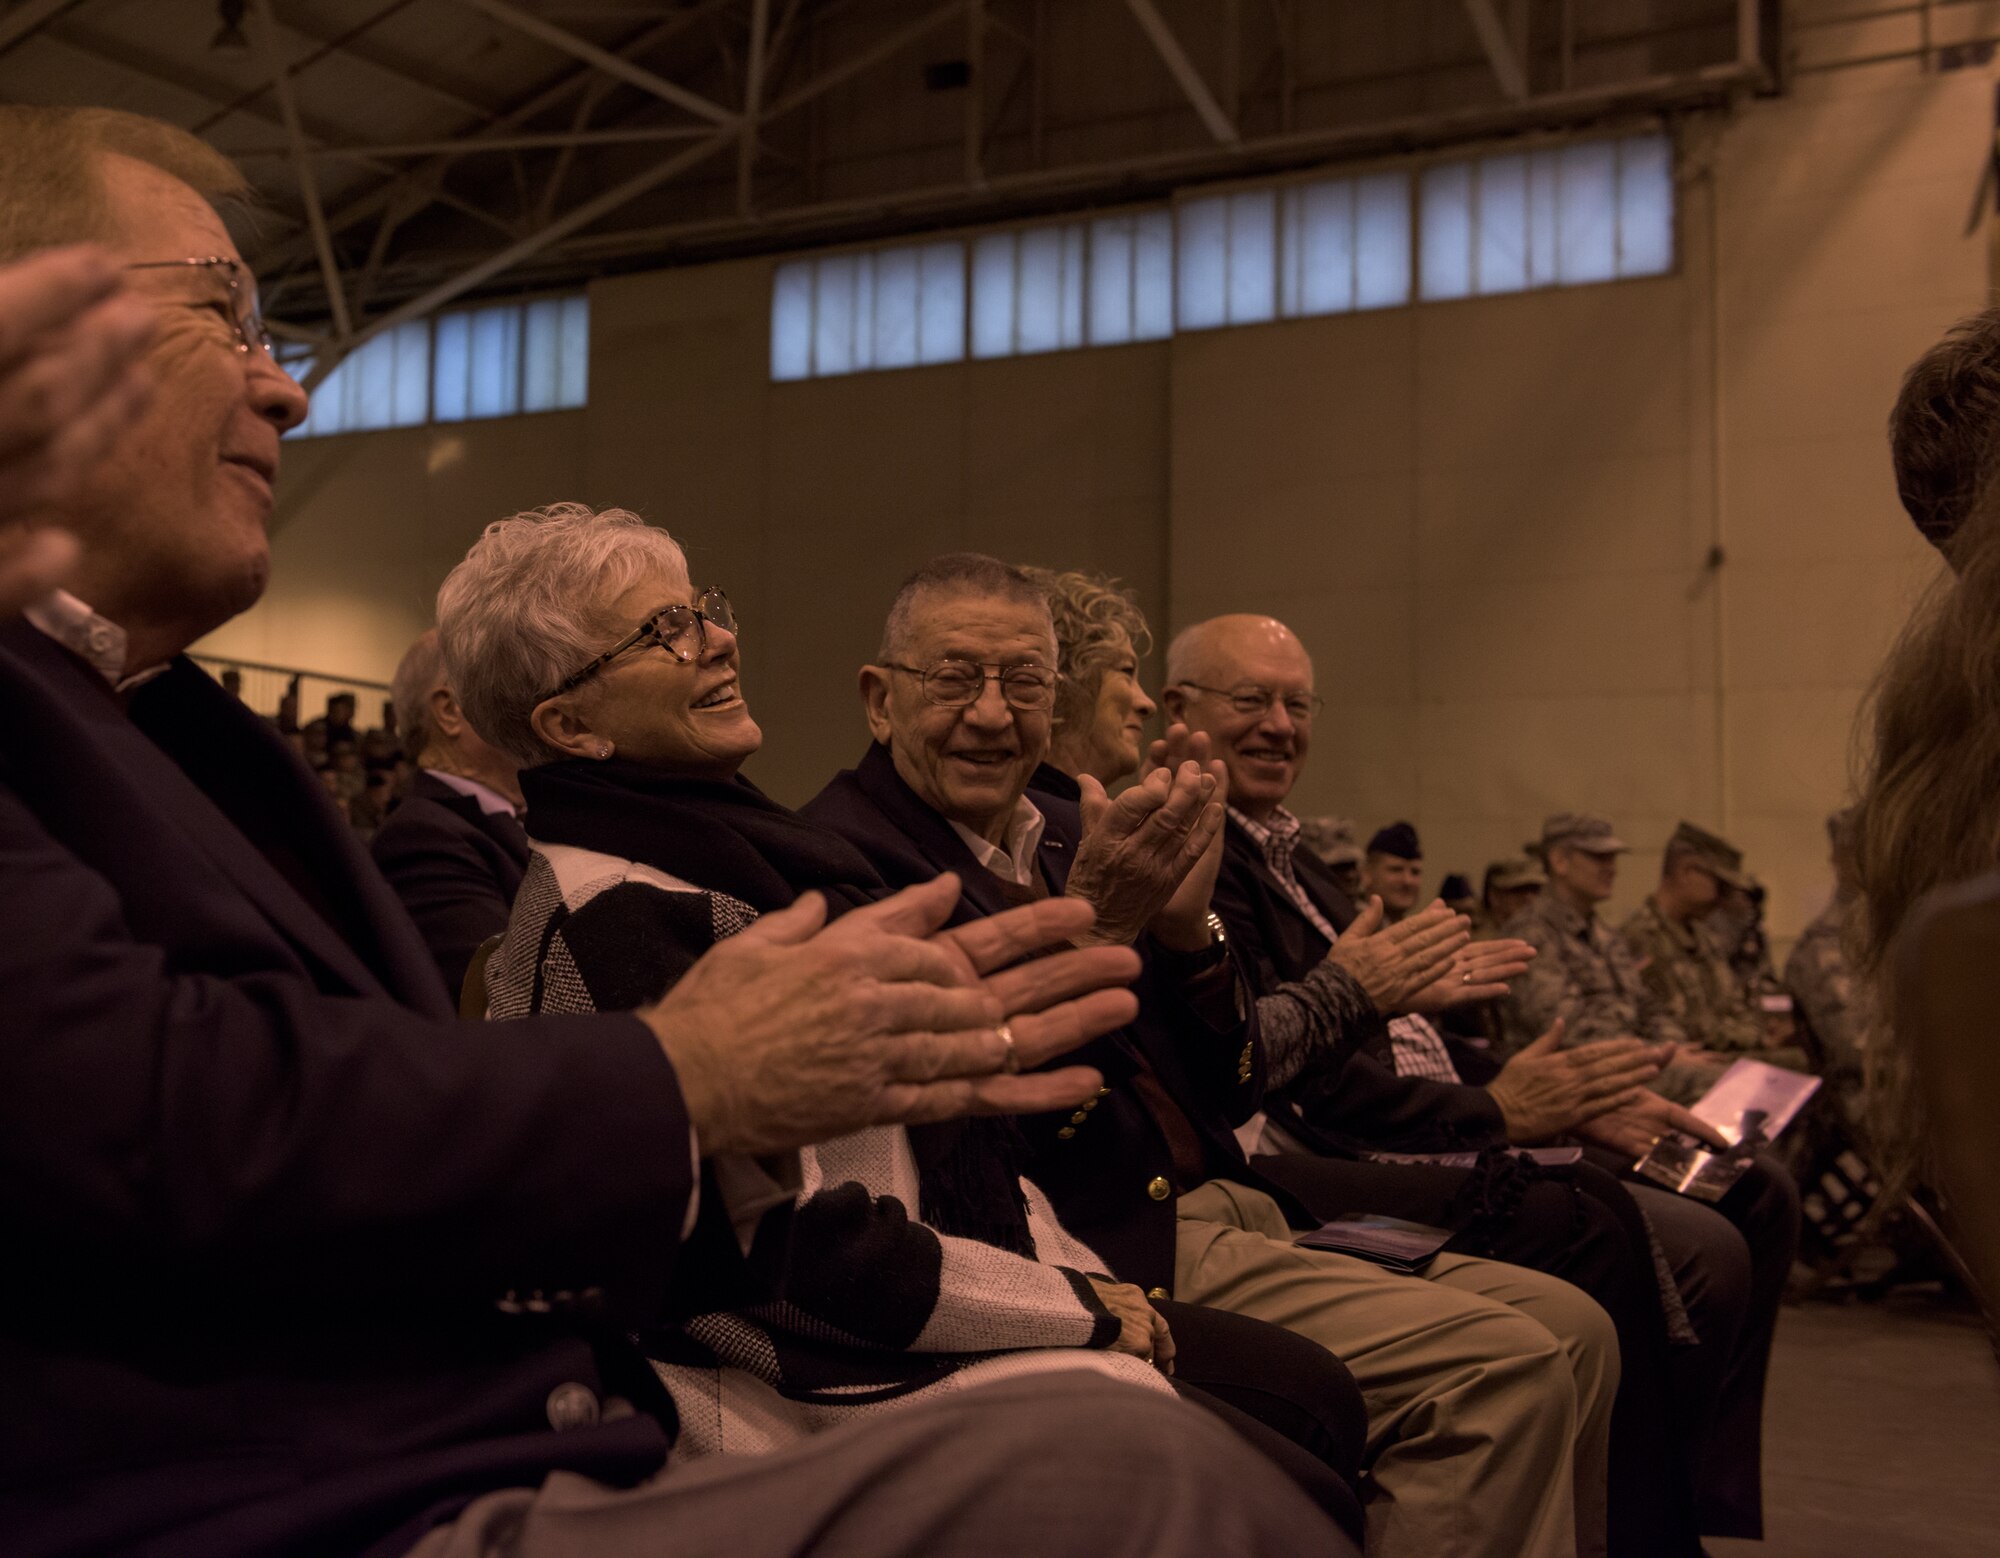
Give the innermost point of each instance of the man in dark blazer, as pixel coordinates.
(454, 848)
(308, 1265)
(1246, 683)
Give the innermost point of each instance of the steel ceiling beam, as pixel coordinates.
(302, 168)
(753, 102)
(1182, 69)
(1508, 68)
(550, 140)
(326, 44)
(602, 205)
(424, 181)
(511, 15)
(29, 18)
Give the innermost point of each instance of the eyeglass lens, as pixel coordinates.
(958, 682)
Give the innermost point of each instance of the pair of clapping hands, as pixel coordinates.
(1428, 963)
(72, 378)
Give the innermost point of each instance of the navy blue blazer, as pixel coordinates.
(297, 1262)
(456, 868)
(1111, 1173)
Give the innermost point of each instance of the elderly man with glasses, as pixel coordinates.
(1481, 1420)
(316, 1268)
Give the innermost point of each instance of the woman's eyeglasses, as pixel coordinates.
(680, 630)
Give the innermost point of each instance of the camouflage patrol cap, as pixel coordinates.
(1717, 856)
(1514, 873)
(1332, 839)
(1580, 830)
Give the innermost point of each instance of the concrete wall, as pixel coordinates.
(1490, 520)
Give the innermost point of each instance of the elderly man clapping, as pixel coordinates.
(959, 704)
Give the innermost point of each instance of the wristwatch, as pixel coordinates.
(1191, 965)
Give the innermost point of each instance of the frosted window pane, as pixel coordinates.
(1202, 303)
(864, 311)
(1543, 168)
(1382, 241)
(941, 321)
(451, 372)
(1319, 249)
(993, 295)
(496, 361)
(541, 350)
(792, 321)
(353, 390)
(375, 366)
(1153, 276)
(895, 309)
(1040, 300)
(1111, 245)
(1447, 231)
(326, 405)
(412, 344)
(1586, 213)
(573, 383)
(1502, 225)
(1253, 260)
(1072, 284)
(1645, 206)
(296, 363)
(833, 315)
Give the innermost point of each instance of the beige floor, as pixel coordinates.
(1882, 1437)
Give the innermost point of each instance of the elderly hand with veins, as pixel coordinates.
(1139, 849)
(794, 1031)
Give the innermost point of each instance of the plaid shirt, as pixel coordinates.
(1277, 839)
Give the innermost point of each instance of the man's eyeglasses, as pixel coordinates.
(680, 630)
(1258, 701)
(233, 296)
(955, 683)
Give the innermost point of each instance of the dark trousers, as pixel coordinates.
(1578, 1224)
(1283, 1393)
(1730, 1263)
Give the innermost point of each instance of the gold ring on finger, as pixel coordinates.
(1010, 1063)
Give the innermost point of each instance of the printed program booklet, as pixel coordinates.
(1387, 1241)
(1750, 1103)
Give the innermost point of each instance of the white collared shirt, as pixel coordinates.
(91, 638)
(1014, 862)
(491, 801)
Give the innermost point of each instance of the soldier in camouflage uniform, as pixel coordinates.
(1829, 1000)
(1507, 889)
(1689, 972)
(1585, 972)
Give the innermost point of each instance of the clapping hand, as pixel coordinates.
(795, 1032)
(1633, 1128)
(1545, 1089)
(72, 378)
(1395, 963)
(1183, 924)
(1139, 849)
(1479, 971)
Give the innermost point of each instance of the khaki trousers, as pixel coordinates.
(1488, 1386)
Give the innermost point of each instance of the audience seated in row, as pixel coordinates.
(319, 1267)
(885, 1234)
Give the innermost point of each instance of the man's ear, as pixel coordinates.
(875, 701)
(1174, 701)
(562, 727)
(447, 718)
